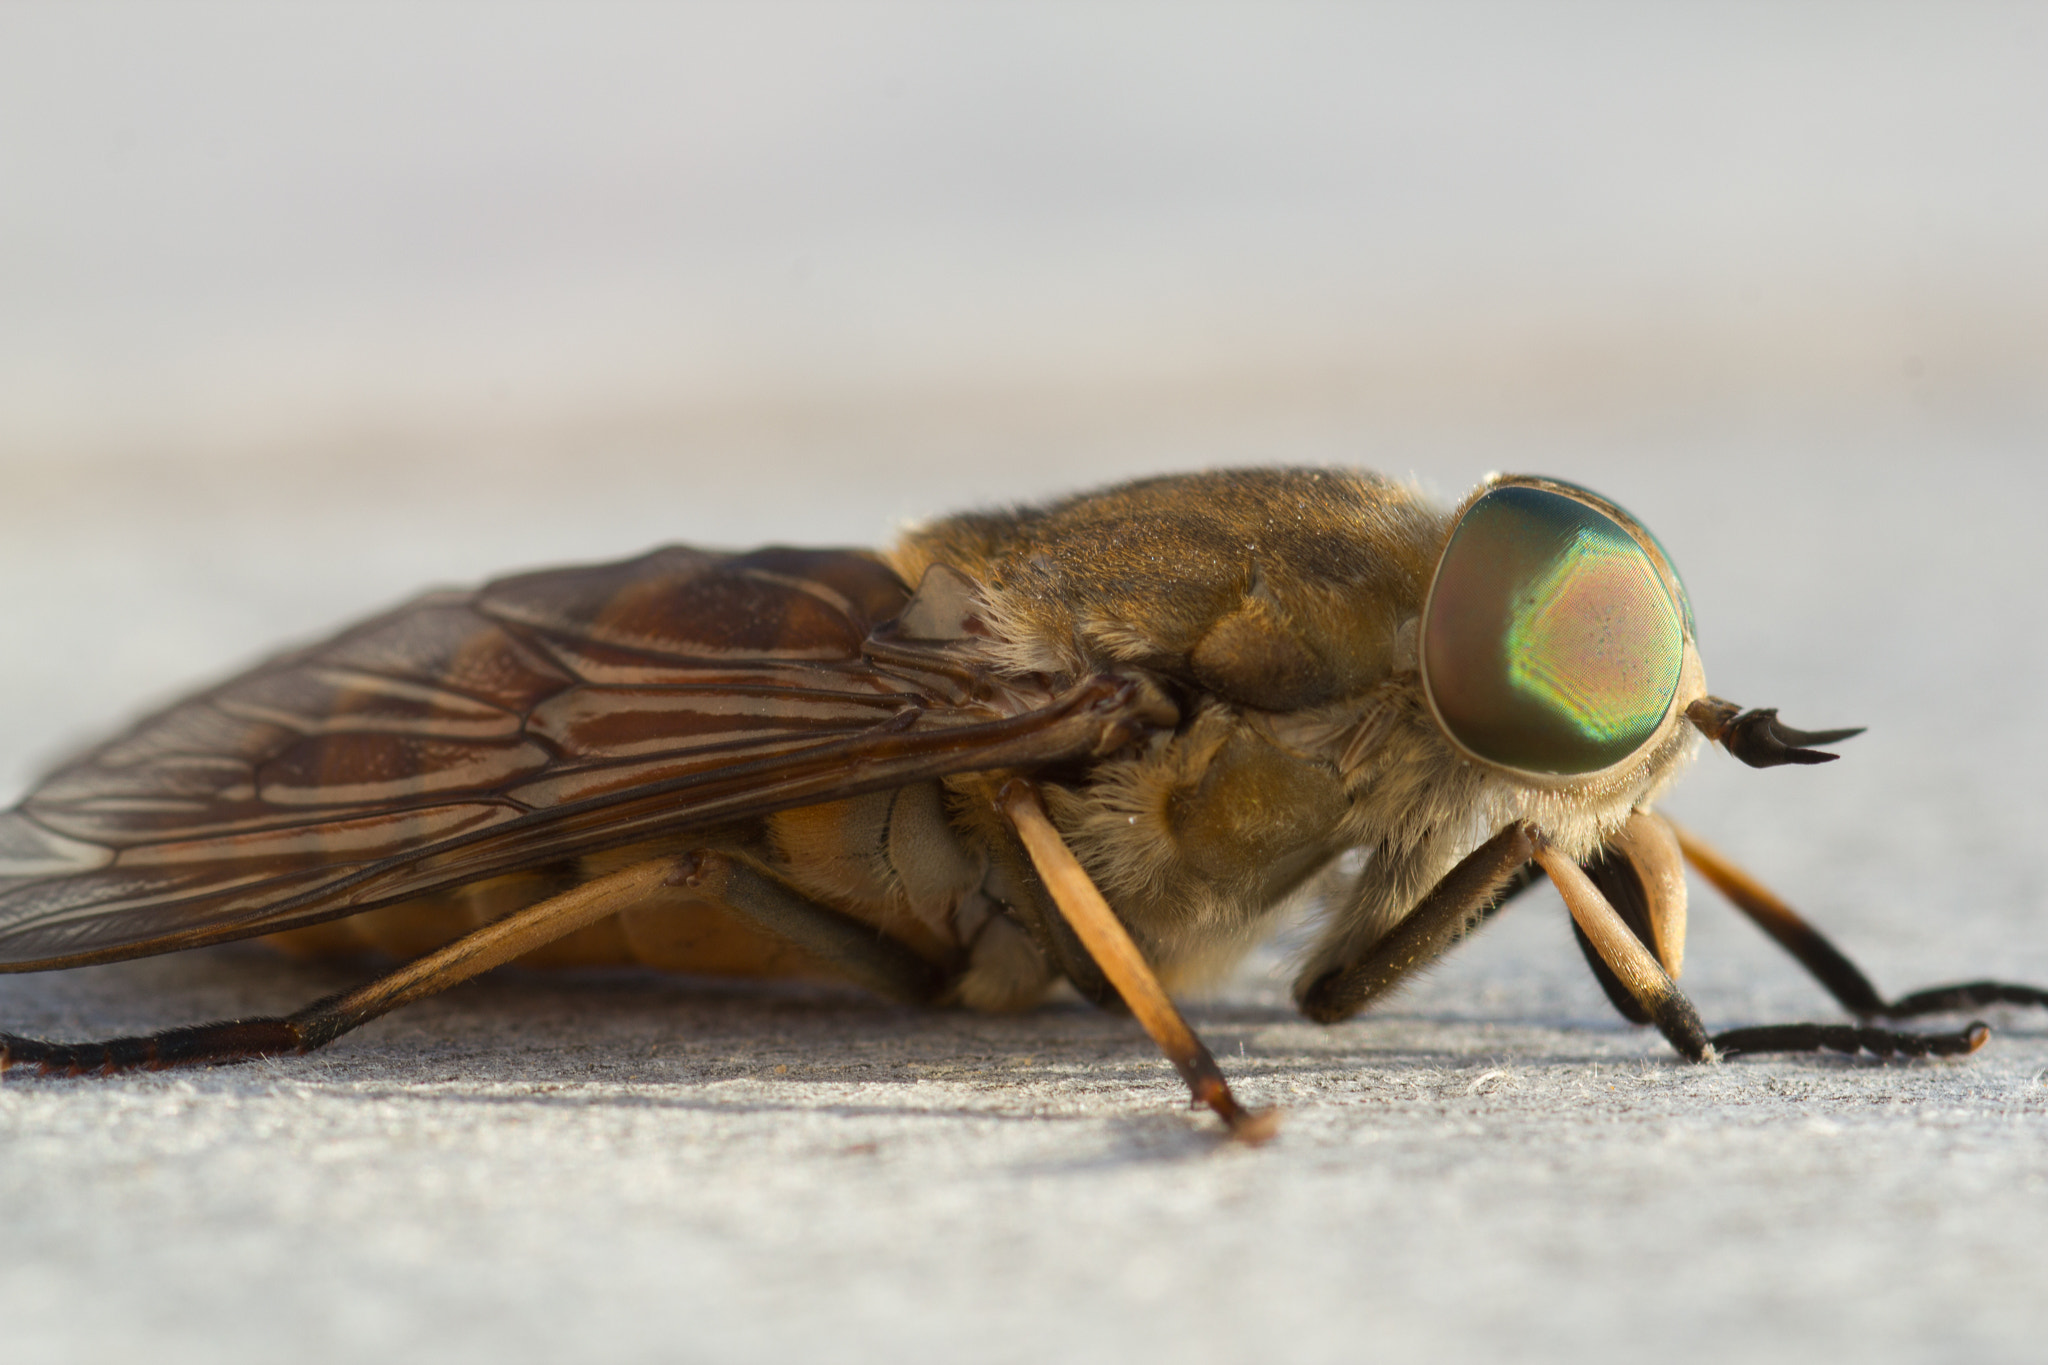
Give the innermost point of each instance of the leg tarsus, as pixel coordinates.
(1251, 1126)
(234, 1040)
(1852, 1039)
(1967, 995)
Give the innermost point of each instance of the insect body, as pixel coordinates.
(1103, 741)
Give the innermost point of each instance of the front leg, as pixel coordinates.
(1463, 900)
(1468, 894)
(1504, 865)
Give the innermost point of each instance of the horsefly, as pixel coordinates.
(1102, 741)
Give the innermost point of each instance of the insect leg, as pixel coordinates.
(1639, 972)
(1642, 874)
(1851, 1038)
(1634, 965)
(1110, 944)
(858, 951)
(325, 1020)
(1826, 963)
(1467, 896)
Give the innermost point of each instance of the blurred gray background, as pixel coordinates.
(303, 308)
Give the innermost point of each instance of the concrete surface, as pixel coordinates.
(299, 315)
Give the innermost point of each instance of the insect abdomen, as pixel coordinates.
(886, 859)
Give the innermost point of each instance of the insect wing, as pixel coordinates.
(468, 734)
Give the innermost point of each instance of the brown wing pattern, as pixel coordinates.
(468, 734)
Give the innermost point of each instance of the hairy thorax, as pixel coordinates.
(1279, 609)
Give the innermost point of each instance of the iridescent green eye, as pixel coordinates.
(1551, 644)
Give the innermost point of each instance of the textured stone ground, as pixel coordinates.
(652, 1171)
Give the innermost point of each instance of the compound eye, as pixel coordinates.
(1551, 644)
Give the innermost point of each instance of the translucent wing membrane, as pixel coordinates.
(465, 735)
